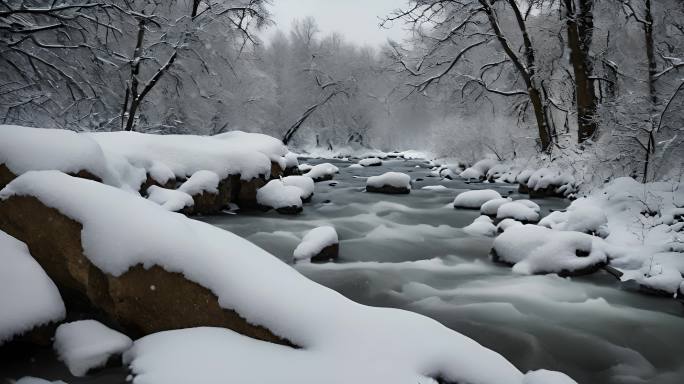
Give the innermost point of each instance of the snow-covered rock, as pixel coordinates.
(283, 198)
(87, 344)
(581, 216)
(658, 278)
(318, 245)
(506, 224)
(471, 174)
(170, 199)
(435, 188)
(532, 249)
(304, 183)
(291, 165)
(481, 226)
(37, 380)
(475, 198)
(479, 170)
(389, 182)
(492, 206)
(370, 162)
(398, 346)
(200, 182)
(543, 376)
(28, 298)
(550, 182)
(321, 172)
(519, 211)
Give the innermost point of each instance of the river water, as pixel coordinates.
(408, 251)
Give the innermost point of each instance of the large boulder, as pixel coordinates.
(141, 300)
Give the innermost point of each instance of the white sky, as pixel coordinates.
(357, 20)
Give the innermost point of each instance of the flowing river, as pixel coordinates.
(408, 251)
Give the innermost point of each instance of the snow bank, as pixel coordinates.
(258, 142)
(391, 179)
(87, 344)
(321, 172)
(389, 345)
(481, 226)
(492, 206)
(475, 198)
(656, 276)
(24, 149)
(277, 195)
(199, 182)
(314, 241)
(304, 183)
(533, 249)
(582, 216)
(370, 162)
(28, 298)
(184, 155)
(170, 199)
(519, 211)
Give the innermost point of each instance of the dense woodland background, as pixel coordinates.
(596, 82)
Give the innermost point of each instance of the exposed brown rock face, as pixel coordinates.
(142, 301)
(276, 170)
(388, 189)
(331, 252)
(6, 176)
(292, 171)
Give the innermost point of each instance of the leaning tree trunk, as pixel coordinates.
(652, 71)
(580, 27)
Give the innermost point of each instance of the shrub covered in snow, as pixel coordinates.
(389, 182)
(475, 199)
(28, 298)
(319, 244)
(87, 344)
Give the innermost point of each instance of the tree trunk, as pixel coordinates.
(652, 70)
(132, 95)
(580, 26)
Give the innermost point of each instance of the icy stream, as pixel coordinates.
(408, 251)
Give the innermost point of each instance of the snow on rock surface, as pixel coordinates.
(291, 160)
(390, 179)
(370, 162)
(304, 183)
(492, 206)
(87, 344)
(518, 211)
(435, 188)
(199, 182)
(28, 298)
(321, 172)
(506, 224)
(481, 226)
(184, 155)
(36, 380)
(314, 242)
(657, 277)
(24, 149)
(258, 142)
(170, 199)
(471, 174)
(543, 376)
(581, 216)
(534, 249)
(398, 346)
(275, 194)
(475, 198)
(551, 179)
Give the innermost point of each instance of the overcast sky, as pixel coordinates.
(357, 20)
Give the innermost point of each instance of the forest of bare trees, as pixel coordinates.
(505, 76)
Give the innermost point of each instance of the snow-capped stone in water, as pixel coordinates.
(283, 198)
(581, 216)
(471, 174)
(389, 182)
(550, 182)
(506, 224)
(209, 194)
(479, 170)
(435, 188)
(532, 249)
(543, 376)
(303, 168)
(370, 162)
(492, 206)
(475, 198)
(518, 211)
(87, 344)
(318, 245)
(481, 226)
(656, 278)
(304, 183)
(496, 172)
(322, 172)
(265, 295)
(170, 199)
(28, 298)
(355, 166)
(291, 165)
